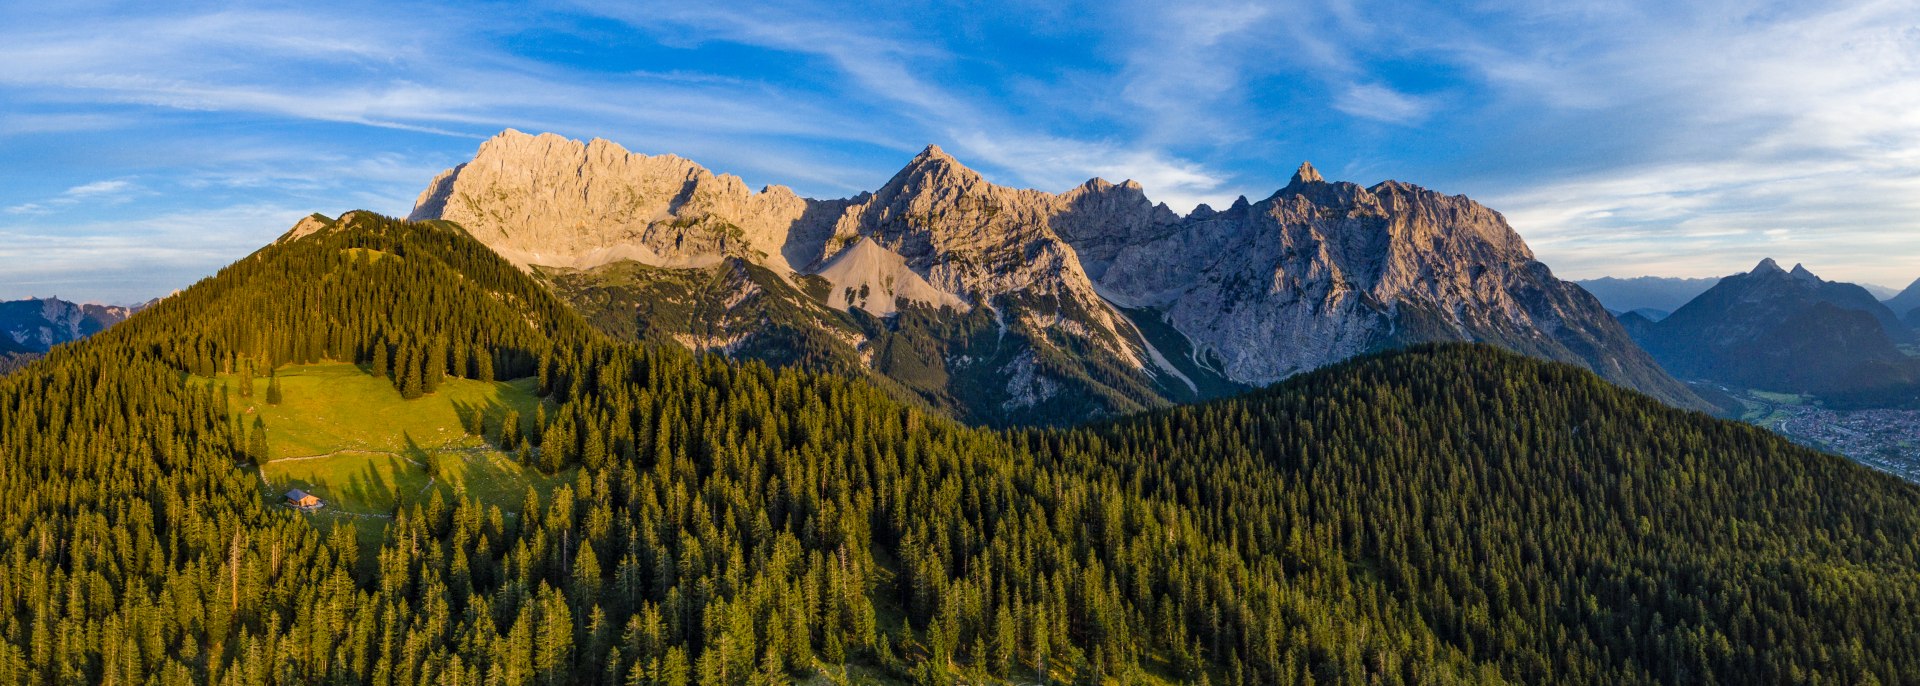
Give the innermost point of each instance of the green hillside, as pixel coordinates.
(1448, 514)
(350, 438)
(331, 407)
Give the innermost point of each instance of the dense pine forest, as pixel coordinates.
(1450, 514)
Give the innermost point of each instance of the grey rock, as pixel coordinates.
(1238, 297)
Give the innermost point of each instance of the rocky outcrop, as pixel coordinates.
(1105, 298)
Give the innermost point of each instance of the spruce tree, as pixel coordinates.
(436, 366)
(410, 373)
(510, 431)
(273, 388)
(380, 359)
(257, 445)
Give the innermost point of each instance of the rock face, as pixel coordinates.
(1783, 330)
(1322, 271)
(1057, 307)
(552, 201)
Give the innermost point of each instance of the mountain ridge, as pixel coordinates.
(1444, 513)
(1906, 304)
(1785, 330)
(1067, 274)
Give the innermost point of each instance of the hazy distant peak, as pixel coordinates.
(1767, 266)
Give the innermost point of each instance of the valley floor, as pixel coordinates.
(1888, 440)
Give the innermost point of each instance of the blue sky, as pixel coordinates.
(144, 145)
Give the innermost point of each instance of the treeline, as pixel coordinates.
(1446, 515)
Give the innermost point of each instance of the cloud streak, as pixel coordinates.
(1671, 138)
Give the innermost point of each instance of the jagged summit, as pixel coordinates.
(933, 152)
(934, 172)
(1801, 271)
(1250, 294)
(1306, 174)
(1767, 266)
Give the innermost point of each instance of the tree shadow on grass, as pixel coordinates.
(366, 487)
(414, 452)
(484, 419)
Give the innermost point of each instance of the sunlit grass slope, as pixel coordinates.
(347, 436)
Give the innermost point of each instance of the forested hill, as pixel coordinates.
(1439, 515)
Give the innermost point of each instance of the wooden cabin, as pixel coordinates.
(303, 500)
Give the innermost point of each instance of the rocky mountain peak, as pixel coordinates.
(1306, 174)
(554, 201)
(932, 169)
(1313, 274)
(1801, 272)
(933, 152)
(1767, 266)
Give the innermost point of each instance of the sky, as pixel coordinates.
(145, 145)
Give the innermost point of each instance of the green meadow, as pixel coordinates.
(348, 437)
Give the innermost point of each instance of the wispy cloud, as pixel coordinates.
(110, 191)
(1380, 103)
(1679, 138)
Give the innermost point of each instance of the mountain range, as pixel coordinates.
(1004, 305)
(36, 325)
(1652, 296)
(1785, 330)
(560, 506)
(31, 327)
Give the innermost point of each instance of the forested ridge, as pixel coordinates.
(1450, 514)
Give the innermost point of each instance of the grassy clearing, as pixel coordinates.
(1764, 408)
(370, 254)
(1782, 398)
(352, 482)
(348, 437)
(331, 407)
(363, 483)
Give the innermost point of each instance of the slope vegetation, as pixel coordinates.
(1442, 515)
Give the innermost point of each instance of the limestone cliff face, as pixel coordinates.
(552, 201)
(1323, 271)
(1109, 299)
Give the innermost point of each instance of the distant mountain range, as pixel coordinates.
(1654, 293)
(29, 328)
(1019, 306)
(1907, 305)
(36, 325)
(1782, 330)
